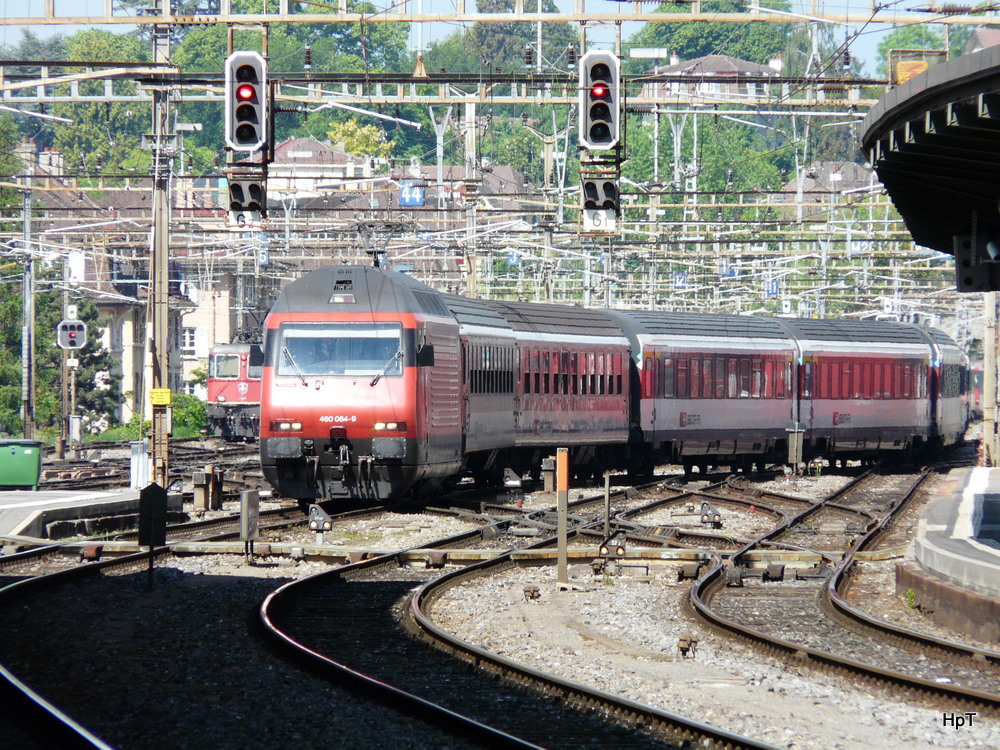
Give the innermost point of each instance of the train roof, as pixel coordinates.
(359, 289)
(866, 331)
(475, 312)
(700, 325)
(557, 319)
(231, 348)
(939, 337)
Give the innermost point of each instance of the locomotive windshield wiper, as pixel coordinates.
(385, 368)
(294, 364)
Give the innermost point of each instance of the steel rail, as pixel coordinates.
(838, 583)
(567, 690)
(713, 580)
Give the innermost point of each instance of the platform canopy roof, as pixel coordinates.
(935, 144)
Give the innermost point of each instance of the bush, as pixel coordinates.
(189, 414)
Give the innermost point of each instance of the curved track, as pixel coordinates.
(346, 622)
(806, 617)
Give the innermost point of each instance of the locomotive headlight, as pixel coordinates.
(221, 399)
(394, 426)
(280, 426)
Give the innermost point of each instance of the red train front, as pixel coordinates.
(361, 377)
(233, 406)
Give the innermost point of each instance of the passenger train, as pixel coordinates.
(376, 385)
(233, 406)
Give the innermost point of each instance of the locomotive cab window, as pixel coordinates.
(224, 366)
(347, 349)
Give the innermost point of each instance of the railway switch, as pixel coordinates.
(689, 571)
(687, 645)
(774, 572)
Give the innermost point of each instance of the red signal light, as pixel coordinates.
(245, 92)
(599, 91)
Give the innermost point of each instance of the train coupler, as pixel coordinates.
(366, 471)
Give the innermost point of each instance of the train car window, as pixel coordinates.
(695, 377)
(907, 380)
(833, 370)
(648, 375)
(732, 385)
(896, 384)
(806, 375)
(783, 385)
(618, 374)
(347, 349)
(682, 388)
(720, 377)
(744, 372)
(708, 383)
(769, 365)
(756, 378)
(224, 366)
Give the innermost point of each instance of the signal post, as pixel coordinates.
(247, 130)
(600, 102)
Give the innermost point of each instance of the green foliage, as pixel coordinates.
(756, 42)
(188, 413)
(914, 36)
(135, 429)
(911, 599)
(500, 46)
(360, 140)
(98, 394)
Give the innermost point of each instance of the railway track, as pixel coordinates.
(347, 621)
(348, 596)
(810, 620)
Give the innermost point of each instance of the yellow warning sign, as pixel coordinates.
(160, 396)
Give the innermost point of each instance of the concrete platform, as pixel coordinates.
(25, 513)
(958, 536)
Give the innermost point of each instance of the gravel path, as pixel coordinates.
(621, 635)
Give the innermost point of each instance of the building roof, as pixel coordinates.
(717, 65)
(981, 38)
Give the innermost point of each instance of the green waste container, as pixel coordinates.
(20, 463)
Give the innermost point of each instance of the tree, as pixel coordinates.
(501, 46)
(104, 136)
(360, 140)
(756, 42)
(915, 36)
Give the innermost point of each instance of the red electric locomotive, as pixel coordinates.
(376, 385)
(233, 408)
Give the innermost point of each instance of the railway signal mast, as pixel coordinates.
(247, 129)
(600, 104)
